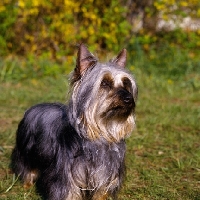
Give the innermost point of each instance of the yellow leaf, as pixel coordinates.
(184, 3)
(2, 8)
(21, 3)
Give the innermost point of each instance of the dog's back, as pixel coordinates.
(39, 127)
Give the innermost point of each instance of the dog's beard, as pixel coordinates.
(108, 123)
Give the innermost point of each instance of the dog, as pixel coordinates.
(76, 151)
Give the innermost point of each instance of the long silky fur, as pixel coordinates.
(48, 143)
(76, 151)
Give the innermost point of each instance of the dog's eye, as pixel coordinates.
(127, 84)
(106, 83)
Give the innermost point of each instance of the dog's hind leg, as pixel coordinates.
(30, 178)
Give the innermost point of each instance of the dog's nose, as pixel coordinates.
(128, 99)
(125, 96)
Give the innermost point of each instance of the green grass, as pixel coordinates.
(163, 153)
(163, 157)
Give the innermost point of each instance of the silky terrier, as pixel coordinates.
(76, 151)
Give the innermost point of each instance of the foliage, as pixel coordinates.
(169, 62)
(46, 33)
(181, 8)
(15, 69)
(166, 60)
(57, 25)
(8, 17)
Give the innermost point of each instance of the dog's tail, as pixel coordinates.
(20, 161)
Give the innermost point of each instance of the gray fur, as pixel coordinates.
(76, 151)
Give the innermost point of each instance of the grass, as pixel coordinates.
(163, 153)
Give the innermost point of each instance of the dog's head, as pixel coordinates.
(103, 97)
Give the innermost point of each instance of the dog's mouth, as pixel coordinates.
(118, 109)
(126, 110)
(118, 112)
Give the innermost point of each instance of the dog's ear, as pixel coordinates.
(84, 60)
(120, 59)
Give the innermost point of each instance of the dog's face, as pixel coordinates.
(103, 97)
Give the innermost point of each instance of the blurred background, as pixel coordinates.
(166, 31)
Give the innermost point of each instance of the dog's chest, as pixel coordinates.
(99, 166)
